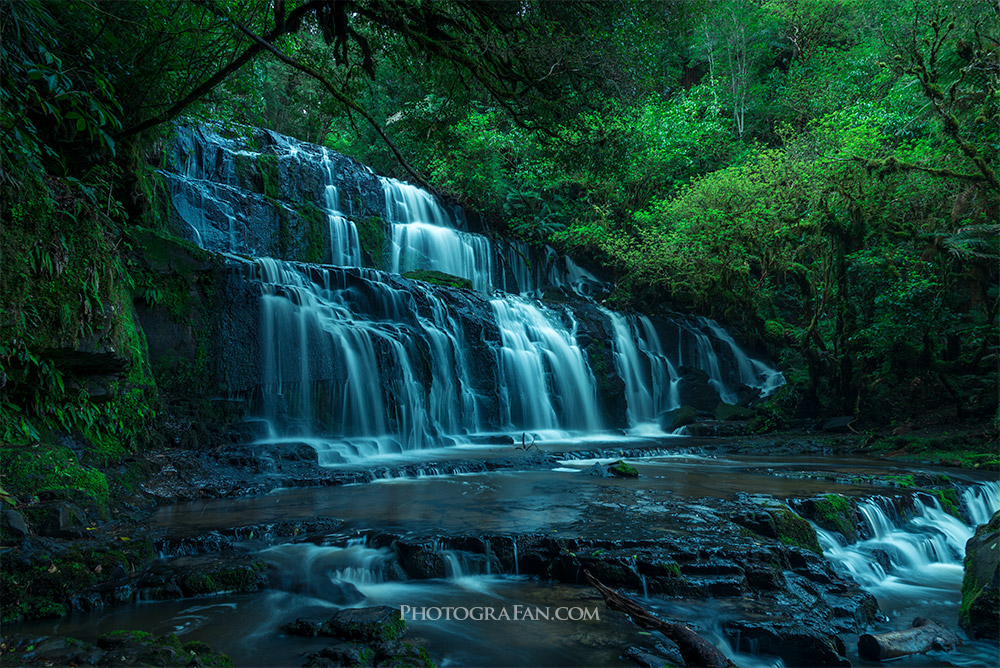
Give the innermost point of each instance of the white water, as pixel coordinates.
(915, 557)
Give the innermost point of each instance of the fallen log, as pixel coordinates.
(696, 650)
(924, 636)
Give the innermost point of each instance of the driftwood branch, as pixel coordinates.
(696, 650)
(924, 636)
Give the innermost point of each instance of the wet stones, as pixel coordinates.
(368, 637)
(118, 648)
(204, 575)
(797, 643)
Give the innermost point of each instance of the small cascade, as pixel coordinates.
(546, 381)
(981, 501)
(345, 246)
(904, 555)
(334, 574)
(651, 381)
(751, 371)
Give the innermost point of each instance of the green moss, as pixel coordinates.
(439, 278)
(833, 511)
(316, 231)
(793, 530)
(267, 165)
(948, 498)
(903, 481)
(373, 235)
(623, 470)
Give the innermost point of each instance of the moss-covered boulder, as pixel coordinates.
(979, 613)
(622, 469)
(728, 412)
(780, 523)
(835, 512)
(439, 278)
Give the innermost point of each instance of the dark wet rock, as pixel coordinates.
(839, 425)
(675, 419)
(645, 658)
(118, 648)
(696, 389)
(419, 560)
(12, 526)
(979, 613)
(379, 626)
(727, 412)
(204, 575)
(797, 643)
(598, 470)
(716, 429)
(376, 625)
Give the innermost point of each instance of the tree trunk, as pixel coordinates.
(696, 650)
(923, 636)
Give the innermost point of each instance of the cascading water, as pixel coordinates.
(545, 379)
(912, 561)
(357, 361)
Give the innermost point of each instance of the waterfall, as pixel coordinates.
(650, 377)
(546, 381)
(345, 247)
(909, 554)
(358, 361)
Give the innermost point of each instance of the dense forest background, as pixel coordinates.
(818, 174)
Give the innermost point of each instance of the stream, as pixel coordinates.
(910, 561)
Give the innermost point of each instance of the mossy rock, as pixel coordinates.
(622, 469)
(835, 512)
(794, 530)
(728, 412)
(439, 278)
(376, 625)
(372, 235)
(979, 613)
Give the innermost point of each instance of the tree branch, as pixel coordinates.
(264, 44)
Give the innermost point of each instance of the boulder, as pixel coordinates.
(622, 469)
(677, 418)
(696, 389)
(728, 412)
(12, 526)
(979, 613)
(839, 425)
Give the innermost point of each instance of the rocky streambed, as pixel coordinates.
(771, 560)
